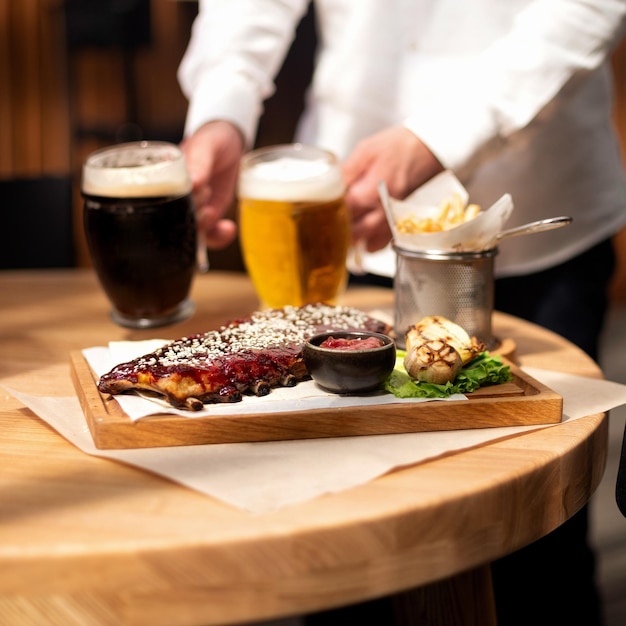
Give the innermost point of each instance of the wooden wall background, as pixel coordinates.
(34, 116)
(60, 102)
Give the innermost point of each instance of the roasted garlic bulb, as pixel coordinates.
(437, 349)
(433, 362)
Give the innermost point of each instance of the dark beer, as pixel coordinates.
(144, 251)
(141, 231)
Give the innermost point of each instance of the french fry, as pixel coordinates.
(471, 212)
(411, 225)
(451, 212)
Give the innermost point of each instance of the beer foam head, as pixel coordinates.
(136, 170)
(291, 173)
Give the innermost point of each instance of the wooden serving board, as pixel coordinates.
(524, 401)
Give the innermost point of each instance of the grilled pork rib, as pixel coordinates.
(250, 355)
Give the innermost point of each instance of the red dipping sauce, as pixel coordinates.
(351, 344)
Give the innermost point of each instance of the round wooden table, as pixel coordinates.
(87, 540)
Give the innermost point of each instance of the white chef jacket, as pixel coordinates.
(514, 96)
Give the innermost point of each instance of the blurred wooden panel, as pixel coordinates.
(53, 91)
(26, 86)
(98, 97)
(127, 90)
(34, 116)
(6, 111)
(165, 107)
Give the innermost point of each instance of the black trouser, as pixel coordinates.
(551, 581)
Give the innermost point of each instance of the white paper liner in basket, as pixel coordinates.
(475, 235)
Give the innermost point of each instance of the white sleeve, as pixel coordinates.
(235, 51)
(552, 45)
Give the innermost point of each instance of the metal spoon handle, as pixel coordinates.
(534, 227)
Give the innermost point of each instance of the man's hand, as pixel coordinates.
(397, 157)
(213, 154)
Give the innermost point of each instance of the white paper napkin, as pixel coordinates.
(263, 477)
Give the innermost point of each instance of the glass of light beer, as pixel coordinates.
(294, 226)
(140, 227)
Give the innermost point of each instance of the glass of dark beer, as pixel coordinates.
(141, 231)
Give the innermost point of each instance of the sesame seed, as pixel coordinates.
(273, 328)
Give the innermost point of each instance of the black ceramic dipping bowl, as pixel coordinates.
(349, 370)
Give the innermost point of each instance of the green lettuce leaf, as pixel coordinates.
(482, 370)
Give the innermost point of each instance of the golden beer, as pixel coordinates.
(294, 226)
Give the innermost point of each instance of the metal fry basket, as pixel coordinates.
(456, 285)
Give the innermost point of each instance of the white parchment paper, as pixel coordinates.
(263, 477)
(304, 396)
(475, 235)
